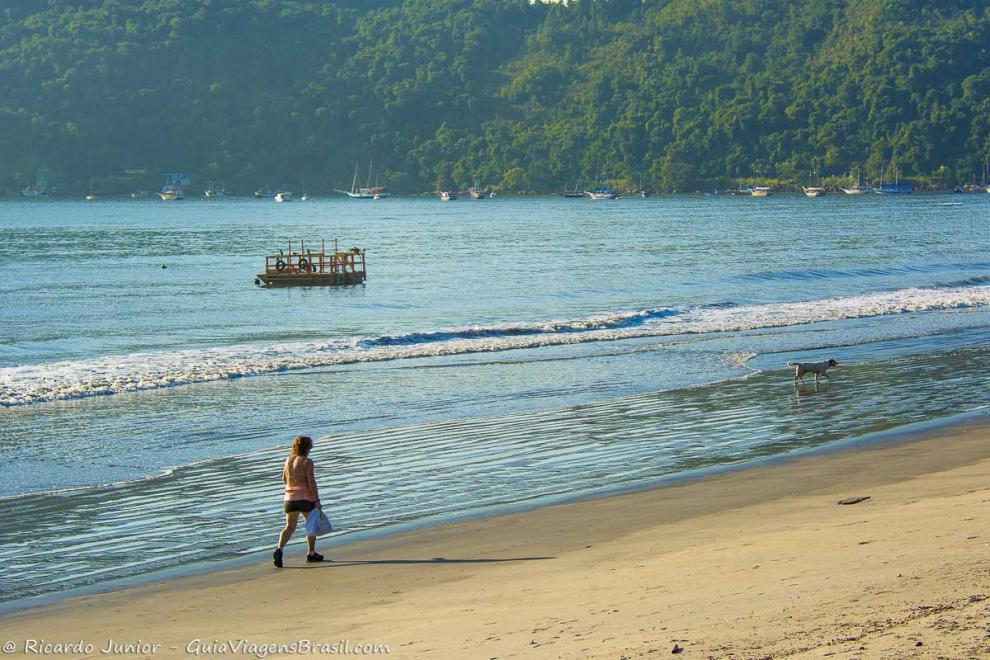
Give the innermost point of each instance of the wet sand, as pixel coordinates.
(759, 562)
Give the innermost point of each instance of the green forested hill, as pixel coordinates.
(675, 94)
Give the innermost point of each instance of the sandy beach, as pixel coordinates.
(756, 563)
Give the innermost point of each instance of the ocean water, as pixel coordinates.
(503, 353)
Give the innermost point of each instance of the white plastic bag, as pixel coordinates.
(317, 523)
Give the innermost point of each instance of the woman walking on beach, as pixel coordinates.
(301, 496)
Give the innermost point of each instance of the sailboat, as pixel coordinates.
(171, 190)
(816, 190)
(602, 191)
(895, 188)
(573, 194)
(214, 191)
(368, 191)
(476, 191)
(858, 189)
(90, 197)
(740, 191)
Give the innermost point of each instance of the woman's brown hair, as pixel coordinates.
(301, 445)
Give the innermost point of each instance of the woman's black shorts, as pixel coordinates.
(301, 506)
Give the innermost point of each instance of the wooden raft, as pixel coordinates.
(311, 268)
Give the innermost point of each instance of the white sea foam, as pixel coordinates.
(143, 371)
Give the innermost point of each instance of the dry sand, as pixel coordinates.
(756, 563)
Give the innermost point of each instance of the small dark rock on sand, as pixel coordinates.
(854, 500)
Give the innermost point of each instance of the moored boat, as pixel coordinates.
(602, 192)
(859, 188)
(898, 187)
(215, 191)
(816, 190)
(762, 191)
(283, 196)
(170, 193)
(573, 194)
(369, 191)
(477, 192)
(171, 190)
(447, 195)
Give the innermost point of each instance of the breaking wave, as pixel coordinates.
(28, 384)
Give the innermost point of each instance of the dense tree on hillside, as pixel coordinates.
(670, 94)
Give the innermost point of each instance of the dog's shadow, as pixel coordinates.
(812, 389)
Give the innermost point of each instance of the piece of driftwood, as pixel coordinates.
(854, 500)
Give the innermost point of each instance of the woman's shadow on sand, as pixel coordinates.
(329, 563)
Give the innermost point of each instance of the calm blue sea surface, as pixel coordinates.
(503, 352)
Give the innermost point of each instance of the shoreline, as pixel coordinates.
(834, 187)
(551, 548)
(899, 434)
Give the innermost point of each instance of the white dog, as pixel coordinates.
(817, 368)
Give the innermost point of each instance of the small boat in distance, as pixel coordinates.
(816, 190)
(740, 191)
(447, 195)
(602, 192)
(895, 188)
(283, 196)
(171, 190)
(310, 268)
(214, 191)
(573, 194)
(368, 191)
(859, 188)
(477, 192)
(761, 191)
